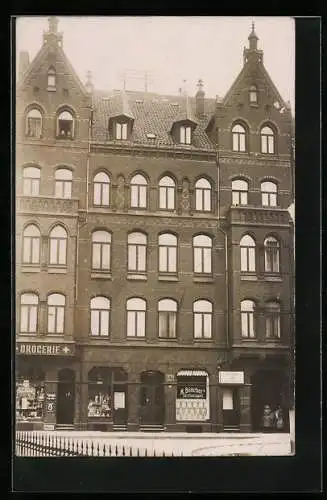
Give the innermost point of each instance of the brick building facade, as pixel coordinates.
(154, 251)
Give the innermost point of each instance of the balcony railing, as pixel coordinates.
(32, 204)
(259, 215)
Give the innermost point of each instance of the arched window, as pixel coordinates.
(101, 245)
(101, 191)
(166, 193)
(202, 254)
(167, 310)
(253, 94)
(34, 123)
(167, 243)
(51, 79)
(29, 303)
(272, 312)
(63, 178)
(65, 125)
(58, 246)
(31, 181)
(247, 245)
(136, 309)
(56, 313)
(269, 194)
(271, 246)
(100, 308)
(31, 245)
(203, 195)
(238, 132)
(138, 191)
(202, 316)
(137, 243)
(267, 140)
(239, 192)
(247, 318)
(185, 135)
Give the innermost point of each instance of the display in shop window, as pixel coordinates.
(100, 405)
(29, 400)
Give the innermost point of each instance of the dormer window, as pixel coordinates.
(51, 79)
(121, 131)
(185, 135)
(34, 123)
(65, 125)
(253, 95)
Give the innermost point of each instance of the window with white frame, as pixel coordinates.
(121, 131)
(247, 319)
(239, 136)
(31, 244)
(100, 320)
(185, 134)
(272, 312)
(167, 243)
(166, 193)
(138, 191)
(29, 303)
(167, 310)
(101, 250)
(203, 195)
(65, 125)
(202, 254)
(58, 246)
(271, 246)
(269, 194)
(239, 192)
(34, 123)
(247, 245)
(137, 243)
(51, 79)
(31, 181)
(56, 313)
(101, 189)
(64, 181)
(136, 310)
(202, 314)
(267, 140)
(253, 94)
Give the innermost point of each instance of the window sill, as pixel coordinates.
(272, 278)
(203, 279)
(274, 340)
(55, 335)
(137, 277)
(33, 137)
(201, 339)
(167, 339)
(51, 89)
(248, 277)
(135, 338)
(64, 137)
(249, 339)
(30, 269)
(254, 105)
(101, 275)
(167, 277)
(99, 337)
(57, 270)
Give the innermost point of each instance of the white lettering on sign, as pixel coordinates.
(229, 377)
(44, 349)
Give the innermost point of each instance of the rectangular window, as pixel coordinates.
(136, 258)
(56, 319)
(202, 325)
(270, 144)
(28, 319)
(207, 200)
(121, 131)
(58, 251)
(273, 325)
(242, 142)
(247, 259)
(167, 324)
(63, 189)
(31, 187)
(135, 323)
(272, 259)
(247, 321)
(101, 256)
(100, 323)
(167, 259)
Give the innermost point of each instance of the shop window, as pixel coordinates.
(56, 313)
(34, 123)
(29, 303)
(167, 310)
(167, 253)
(247, 318)
(107, 390)
(167, 193)
(271, 246)
(138, 191)
(63, 179)
(136, 310)
(203, 195)
(272, 320)
(101, 189)
(65, 125)
(31, 245)
(31, 181)
(193, 396)
(100, 309)
(202, 254)
(267, 140)
(247, 245)
(101, 251)
(239, 138)
(239, 192)
(29, 396)
(202, 313)
(58, 246)
(269, 194)
(137, 245)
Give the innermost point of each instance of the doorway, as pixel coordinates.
(231, 408)
(66, 397)
(152, 398)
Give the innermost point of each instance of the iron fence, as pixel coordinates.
(34, 444)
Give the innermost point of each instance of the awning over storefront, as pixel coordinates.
(192, 373)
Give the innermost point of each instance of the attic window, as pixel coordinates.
(139, 101)
(65, 125)
(121, 131)
(151, 136)
(253, 95)
(175, 104)
(185, 135)
(51, 79)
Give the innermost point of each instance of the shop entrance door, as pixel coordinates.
(152, 404)
(66, 397)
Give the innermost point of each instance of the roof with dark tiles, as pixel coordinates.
(153, 114)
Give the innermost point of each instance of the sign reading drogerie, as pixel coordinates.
(44, 349)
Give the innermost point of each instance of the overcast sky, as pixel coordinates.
(171, 49)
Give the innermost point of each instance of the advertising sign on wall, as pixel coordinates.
(191, 392)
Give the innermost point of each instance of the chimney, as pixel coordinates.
(24, 61)
(199, 99)
(89, 84)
